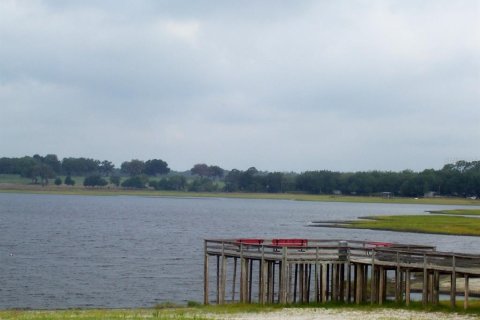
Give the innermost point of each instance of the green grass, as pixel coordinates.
(173, 312)
(14, 179)
(440, 224)
(461, 212)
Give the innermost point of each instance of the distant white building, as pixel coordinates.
(430, 194)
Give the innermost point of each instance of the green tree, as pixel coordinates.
(106, 167)
(215, 172)
(133, 168)
(80, 166)
(58, 181)
(52, 161)
(42, 172)
(200, 169)
(156, 166)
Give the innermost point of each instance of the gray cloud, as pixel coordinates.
(341, 85)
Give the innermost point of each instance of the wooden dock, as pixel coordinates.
(306, 270)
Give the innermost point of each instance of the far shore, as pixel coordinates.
(111, 191)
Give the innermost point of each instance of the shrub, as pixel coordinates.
(69, 181)
(135, 182)
(176, 183)
(115, 180)
(95, 180)
(202, 185)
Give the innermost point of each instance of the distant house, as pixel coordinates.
(430, 194)
(387, 195)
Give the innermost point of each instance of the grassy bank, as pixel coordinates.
(229, 311)
(439, 224)
(79, 190)
(461, 212)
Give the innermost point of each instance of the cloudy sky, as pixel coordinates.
(279, 85)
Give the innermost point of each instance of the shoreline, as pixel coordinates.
(34, 189)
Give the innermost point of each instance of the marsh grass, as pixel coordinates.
(461, 212)
(438, 224)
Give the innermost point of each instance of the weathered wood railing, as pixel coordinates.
(350, 271)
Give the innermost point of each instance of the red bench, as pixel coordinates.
(380, 244)
(250, 241)
(290, 242)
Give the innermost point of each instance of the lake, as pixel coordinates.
(59, 251)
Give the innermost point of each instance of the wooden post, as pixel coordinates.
(436, 287)
(250, 282)
(301, 283)
(334, 282)
(407, 287)
(243, 276)
(290, 279)
(425, 281)
(327, 283)
(381, 285)
(317, 289)
(265, 281)
(270, 281)
(263, 277)
(365, 283)
(324, 283)
(283, 278)
(308, 279)
(234, 278)
(273, 282)
(466, 292)
(349, 282)
(295, 283)
(372, 279)
(355, 282)
(218, 279)
(398, 284)
(342, 282)
(359, 282)
(223, 279)
(453, 287)
(260, 276)
(205, 275)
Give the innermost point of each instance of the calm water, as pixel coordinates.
(85, 251)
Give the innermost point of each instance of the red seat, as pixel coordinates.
(290, 242)
(380, 244)
(250, 241)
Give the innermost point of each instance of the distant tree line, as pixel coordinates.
(461, 178)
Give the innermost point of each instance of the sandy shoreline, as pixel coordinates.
(339, 314)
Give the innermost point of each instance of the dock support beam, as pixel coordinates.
(205, 277)
(466, 292)
(453, 287)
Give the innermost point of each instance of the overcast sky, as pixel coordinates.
(279, 85)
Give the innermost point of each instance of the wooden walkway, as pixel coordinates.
(303, 271)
